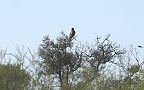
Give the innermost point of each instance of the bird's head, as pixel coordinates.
(72, 29)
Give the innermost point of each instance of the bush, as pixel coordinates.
(12, 77)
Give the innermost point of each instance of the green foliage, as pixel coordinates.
(134, 69)
(13, 78)
(59, 58)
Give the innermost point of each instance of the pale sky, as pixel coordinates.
(25, 22)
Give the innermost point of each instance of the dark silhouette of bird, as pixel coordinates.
(140, 46)
(71, 35)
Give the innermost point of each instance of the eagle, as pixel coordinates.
(71, 35)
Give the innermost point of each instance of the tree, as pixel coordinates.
(96, 58)
(59, 58)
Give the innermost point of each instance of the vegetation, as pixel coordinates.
(13, 78)
(63, 65)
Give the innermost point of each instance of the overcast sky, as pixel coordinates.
(25, 22)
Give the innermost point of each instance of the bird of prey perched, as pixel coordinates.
(71, 35)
